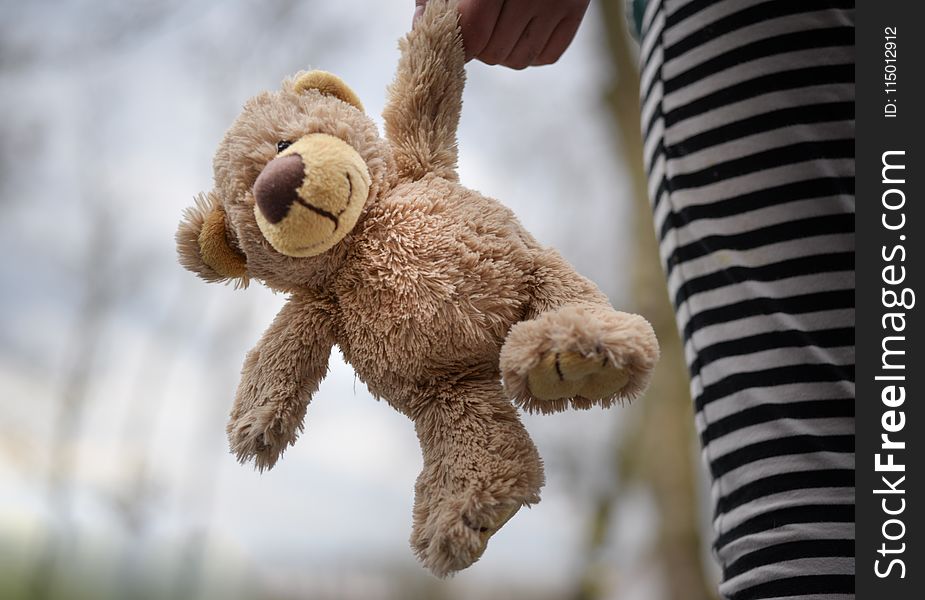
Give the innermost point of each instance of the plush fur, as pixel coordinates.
(443, 304)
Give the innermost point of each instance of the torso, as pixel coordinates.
(437, 277)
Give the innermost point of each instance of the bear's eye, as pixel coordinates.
(280, 146)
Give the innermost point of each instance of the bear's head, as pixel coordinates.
(294, 175)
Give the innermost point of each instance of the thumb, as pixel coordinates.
(418, 10)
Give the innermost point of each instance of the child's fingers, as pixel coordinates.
(418, 10)
(559, 40)
(478, 19)
(511, 23)
(532, 42)
(516, 33)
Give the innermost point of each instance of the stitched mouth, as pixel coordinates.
(334, 218)
(320, 211)
(309, 247)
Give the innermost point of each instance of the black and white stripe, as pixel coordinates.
(748, 117)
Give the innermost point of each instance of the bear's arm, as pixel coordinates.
(424, 101)
(278, 379)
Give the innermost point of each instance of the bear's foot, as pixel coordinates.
(578, 356)
(456, 531)
(480, 468)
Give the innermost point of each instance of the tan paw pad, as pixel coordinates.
(568, 374)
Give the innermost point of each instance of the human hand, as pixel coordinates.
(517, 33)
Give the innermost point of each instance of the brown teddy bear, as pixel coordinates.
(442, 303)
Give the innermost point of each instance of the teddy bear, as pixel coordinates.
(445, 306)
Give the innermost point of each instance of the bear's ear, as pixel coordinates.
(203, 246)
(329, 85)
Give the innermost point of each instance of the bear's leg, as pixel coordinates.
(480, 467)
(574, 349)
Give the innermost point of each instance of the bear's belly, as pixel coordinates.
(437, 277)
(420, 331)
(405, 322)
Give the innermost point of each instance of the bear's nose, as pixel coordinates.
(277, 186)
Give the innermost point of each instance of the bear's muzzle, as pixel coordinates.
(311, 195)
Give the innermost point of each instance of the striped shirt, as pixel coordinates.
(748, 118)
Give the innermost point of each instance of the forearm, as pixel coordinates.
(277, 381)
(425, 99)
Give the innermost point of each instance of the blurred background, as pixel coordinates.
(117, 368)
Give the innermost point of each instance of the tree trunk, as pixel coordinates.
(659, 451)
